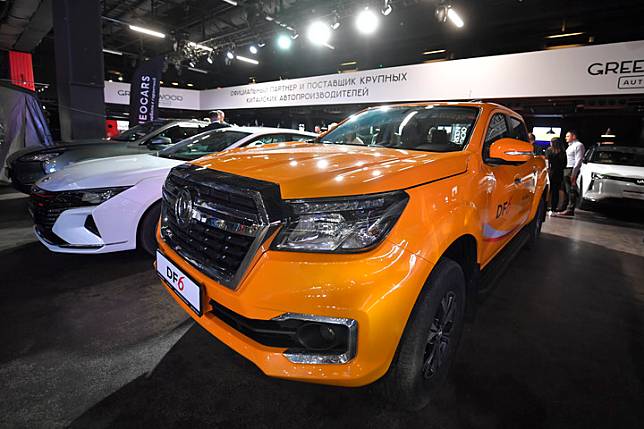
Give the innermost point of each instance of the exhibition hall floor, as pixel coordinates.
(95, 341)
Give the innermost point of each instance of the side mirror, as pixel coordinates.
(158, 140)
(511, 150)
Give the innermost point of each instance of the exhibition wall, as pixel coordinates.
(612, 69)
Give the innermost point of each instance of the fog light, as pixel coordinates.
(324, 340)
(316, 336)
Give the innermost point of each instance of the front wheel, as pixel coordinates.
(430, 339)
(147, 234)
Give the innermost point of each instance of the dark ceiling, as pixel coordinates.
(491, 27)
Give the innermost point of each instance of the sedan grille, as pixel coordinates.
(46, 207)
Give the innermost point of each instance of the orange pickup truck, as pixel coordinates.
(357, 256)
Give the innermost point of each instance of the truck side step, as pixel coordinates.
(495, 269)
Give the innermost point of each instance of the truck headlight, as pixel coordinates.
(340, 225)
(39, 157)
(99, 196)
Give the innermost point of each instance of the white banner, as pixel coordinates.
(585, 71)
(169, 98)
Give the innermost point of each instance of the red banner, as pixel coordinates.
(22, 72)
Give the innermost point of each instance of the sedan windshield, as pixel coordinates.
(138, 131)
(629, 158)
(203, 144)
(426, 128)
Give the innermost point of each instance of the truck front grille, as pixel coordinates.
(213, 221)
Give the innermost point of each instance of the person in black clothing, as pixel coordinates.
(556, 156)
(216, 120)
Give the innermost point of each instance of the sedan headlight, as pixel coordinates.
(597, 176)
(39, 157)
(99, 196)
(340, 225)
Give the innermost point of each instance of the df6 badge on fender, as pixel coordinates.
(356, 255)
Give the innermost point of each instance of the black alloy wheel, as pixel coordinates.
(438, 341)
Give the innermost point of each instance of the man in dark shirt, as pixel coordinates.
(216, 120)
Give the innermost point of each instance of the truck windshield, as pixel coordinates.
(426, 128)
(203, 144)
(626, 157)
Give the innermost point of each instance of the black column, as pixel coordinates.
(79, 68)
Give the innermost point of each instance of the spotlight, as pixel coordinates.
(455, 17)
(386, 10)
(209, 59)
(445, 12)
(319, 33)
(192, 63)
(336, 22)
(367, 21)
(230, 55)
(284, 42)
(253, 49)
(261, 43)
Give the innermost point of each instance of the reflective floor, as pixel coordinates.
(95, 342)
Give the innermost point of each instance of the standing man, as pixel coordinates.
(216, 120)
(574, 156)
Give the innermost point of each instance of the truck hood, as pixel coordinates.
(309, 170)
(126, 170)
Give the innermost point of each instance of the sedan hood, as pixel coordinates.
(307, 170)
(618, 170)
(124, 170)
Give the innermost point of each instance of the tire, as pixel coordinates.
(416, 373)
(534, 229)
(147, 233)
(581, 203)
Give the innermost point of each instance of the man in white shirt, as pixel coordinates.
(575, 156)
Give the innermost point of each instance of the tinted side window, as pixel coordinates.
(178, 133)
(517, 129)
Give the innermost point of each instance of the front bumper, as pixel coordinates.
(108, 227)
(605, 189)
(376, 289)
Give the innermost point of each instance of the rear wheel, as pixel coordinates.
(147, 233)
(430, 339)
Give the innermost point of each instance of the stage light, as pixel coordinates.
(284, 42)
(230, 55)
(175, 83)
(386, 10)
(200, 46)
(253, 49)
(147, 31)
(210, 59)
(367, 21)
(110, 51)
(247, 60)
(319, 33)
(455, 17)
